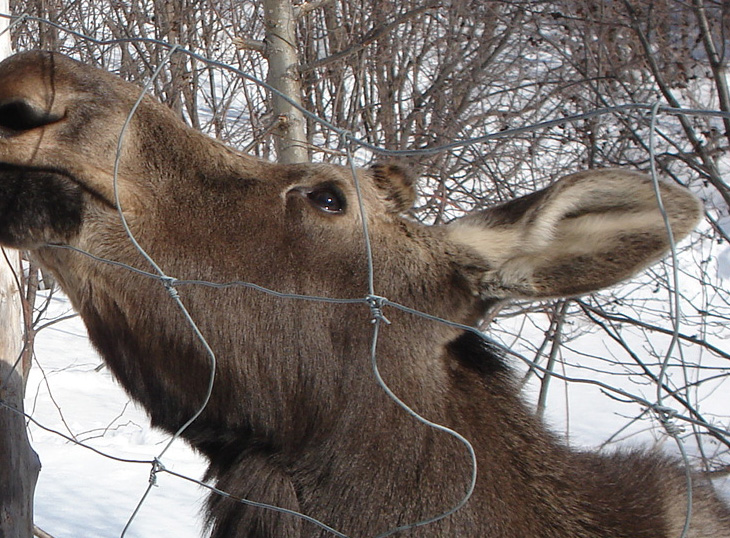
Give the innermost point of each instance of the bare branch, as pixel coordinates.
(308, 6)
(373, 35)
(243, 43)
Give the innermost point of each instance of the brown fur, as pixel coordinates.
(295, 418)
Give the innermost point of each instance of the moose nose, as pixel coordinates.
(20, 115)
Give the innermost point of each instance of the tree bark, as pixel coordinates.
(281, 53)
(19, 464)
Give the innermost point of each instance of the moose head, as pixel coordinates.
(295, 418)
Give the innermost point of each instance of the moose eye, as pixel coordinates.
(328, 198)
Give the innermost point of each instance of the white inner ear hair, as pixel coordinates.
(579, 235)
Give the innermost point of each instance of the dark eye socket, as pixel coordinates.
(328, 198)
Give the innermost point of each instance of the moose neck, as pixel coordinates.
(530, 484)
(307, 414)
(330, 436)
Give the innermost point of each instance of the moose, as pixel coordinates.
(295, 418)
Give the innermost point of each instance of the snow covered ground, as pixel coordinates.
(83, 494)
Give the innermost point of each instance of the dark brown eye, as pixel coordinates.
(328, 198)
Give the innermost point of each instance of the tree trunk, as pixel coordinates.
(281, 53)
(19, 464)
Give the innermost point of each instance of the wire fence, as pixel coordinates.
(668, 416)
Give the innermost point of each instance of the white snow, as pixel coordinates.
(81, 493)
(723, 263)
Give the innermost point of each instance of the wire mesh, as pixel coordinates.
(379, 305)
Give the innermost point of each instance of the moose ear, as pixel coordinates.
(396, 185)
(585, 232)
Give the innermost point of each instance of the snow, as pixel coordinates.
(723, 264)
(82, 493)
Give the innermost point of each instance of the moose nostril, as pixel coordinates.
(20, 115)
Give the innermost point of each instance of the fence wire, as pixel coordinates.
(378, 305)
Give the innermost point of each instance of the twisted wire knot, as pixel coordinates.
(376, 303)
(666, 416)
(157, 467)
(345, 136)
(169, 283)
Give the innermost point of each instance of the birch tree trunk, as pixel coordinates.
(19, 464)
(281, 53)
